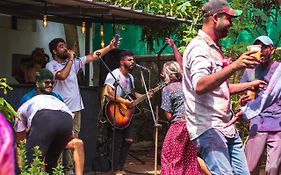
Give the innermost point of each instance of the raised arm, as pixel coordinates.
(93, 56)
(177, 54)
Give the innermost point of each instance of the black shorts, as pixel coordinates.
(51, 130)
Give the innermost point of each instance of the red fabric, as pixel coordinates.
(178, 155)
(7, 162)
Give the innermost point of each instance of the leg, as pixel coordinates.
(39, 135)
(237, 155)
(68, 154)
(254, 151)
(212, 147)
(118, 140)
(127, 137)
(178, 154)
(273, 153)
(78, 154)
(52, 156)
(203, 167)
(63, 131)
(124, 152)
(76, 123)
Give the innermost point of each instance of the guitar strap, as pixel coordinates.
(131, 84)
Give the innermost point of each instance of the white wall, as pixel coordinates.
(29, 35)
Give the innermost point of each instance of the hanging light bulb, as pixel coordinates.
(83, 28)
(102, 35)
(45, 21)
(101, 30)
(102, 44)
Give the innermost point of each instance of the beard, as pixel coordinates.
(43, 90)
(129, 67)
(63, 55)
(222, 32)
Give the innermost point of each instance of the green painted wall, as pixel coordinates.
(131, 36)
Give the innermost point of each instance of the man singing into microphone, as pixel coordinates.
(65, 67)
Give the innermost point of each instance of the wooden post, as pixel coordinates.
(156, 141)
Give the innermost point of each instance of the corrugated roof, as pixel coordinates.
(74, 11)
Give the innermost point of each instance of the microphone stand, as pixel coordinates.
(148, 97)
(156, 124)
(115, 84)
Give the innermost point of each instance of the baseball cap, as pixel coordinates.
(44, 74)
(265, 40)
(219, 6)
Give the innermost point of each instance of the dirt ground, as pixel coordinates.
(141, 161)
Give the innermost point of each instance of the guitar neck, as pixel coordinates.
(144, 96)
(140, 99)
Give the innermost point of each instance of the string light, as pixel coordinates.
(102, 35)
(83, 28)
(45, 21)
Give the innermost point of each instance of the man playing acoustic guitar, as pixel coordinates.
(123, 138)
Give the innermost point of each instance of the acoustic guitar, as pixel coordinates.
(124, 114)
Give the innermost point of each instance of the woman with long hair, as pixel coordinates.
(178, 153)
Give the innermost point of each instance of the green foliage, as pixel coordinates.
(276, 55)
(4, 86)
(186, 9)
(5, 108)
(37, 164)
(21, 155)
(254, 19)
(58, 170)
(257, 18)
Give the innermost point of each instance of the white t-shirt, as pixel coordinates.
(68, 89)
(127, 83)
(28, 109)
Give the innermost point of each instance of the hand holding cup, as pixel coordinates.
(256, 48)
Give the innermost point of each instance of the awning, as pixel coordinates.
(75, 11)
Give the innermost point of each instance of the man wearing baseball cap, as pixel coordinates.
(265, 129)
(207, 92)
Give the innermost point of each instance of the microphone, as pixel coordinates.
(141, 67)
(68, 52)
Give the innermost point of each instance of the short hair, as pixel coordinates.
(44, 74)
(172, 72)
(124, 53)
(54, 43)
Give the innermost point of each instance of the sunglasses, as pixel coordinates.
(49, 82)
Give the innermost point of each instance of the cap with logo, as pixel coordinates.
(219, 6)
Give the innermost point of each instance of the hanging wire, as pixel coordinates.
(45, 16)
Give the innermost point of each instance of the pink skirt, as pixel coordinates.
(178, 155)
(7, 162)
